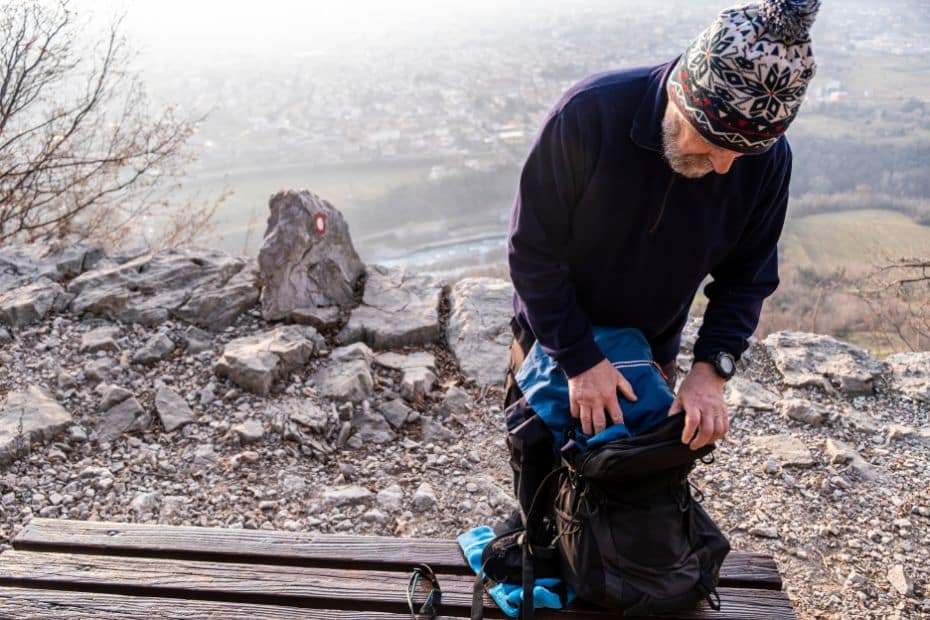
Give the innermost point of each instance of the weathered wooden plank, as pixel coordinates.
(301, 548)
(297, 586)
(29, 604)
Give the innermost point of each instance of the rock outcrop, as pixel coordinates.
(256, 362)
(479, 333)
(817, 360)
(399, 308)
(28, 416)
(307, 260)
(192, 284)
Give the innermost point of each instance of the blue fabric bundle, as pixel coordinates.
(545, 387)
(508, 596)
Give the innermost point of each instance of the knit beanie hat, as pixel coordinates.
(742, 80)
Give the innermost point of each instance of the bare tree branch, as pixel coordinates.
(80, 153)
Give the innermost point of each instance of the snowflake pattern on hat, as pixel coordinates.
(742, 81)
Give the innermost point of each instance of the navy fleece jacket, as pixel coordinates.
(603, 231)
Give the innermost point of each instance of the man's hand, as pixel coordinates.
(594, 391)
(701, 397)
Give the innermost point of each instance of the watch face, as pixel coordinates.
(727, 366)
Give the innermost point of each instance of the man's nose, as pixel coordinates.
(722, 161)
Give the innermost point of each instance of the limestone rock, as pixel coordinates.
(111, 395)
(479, 331)
(435, 432)
(157, 348)
(841, 452)
(787, 449)
(372, 428)
(196, 340)
(144, 503)
(391, 498)
(860, 420)
(322, 317)
(346, 496)
(217, 307)
(424, 498)
(802, 410)
(355, 351)
(28, 416)
(345, 381)
(30, 303)
(154, 287)
(307, 414)
(396, 412)
(249, 431)
(455, 402)
(21, 264)
(307, 258)
(816, 360)
(899, 580)
(397, 361)
(419, 371)
(126, 416)
(743, 393)
(399, 308)
(255, 362)
(910, 374)
(417, 383)
(172, 409)
(100, 339)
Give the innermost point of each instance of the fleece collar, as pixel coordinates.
(647, 124)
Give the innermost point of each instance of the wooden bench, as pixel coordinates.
(61, 569)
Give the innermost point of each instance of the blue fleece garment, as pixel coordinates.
(509, 596)
(545, 386)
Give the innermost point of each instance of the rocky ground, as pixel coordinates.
(378, 412)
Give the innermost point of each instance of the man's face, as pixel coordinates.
(687, 152)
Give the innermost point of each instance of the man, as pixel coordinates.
(641, 183)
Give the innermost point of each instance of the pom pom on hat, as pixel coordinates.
(791, 19)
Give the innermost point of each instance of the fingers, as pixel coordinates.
(598, 418)
(713, 427)
(585, 419)
(625, 388)
(614, 410)
(706, 431)
(692, 419)
(675, 407)
(573, 404)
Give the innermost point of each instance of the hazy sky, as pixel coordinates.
(212, 24)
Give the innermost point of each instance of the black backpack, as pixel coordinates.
(618, 523)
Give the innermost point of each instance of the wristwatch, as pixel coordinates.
(724, 364)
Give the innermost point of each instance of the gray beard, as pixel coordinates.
(690, 166)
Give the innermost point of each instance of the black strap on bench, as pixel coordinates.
(430, 607)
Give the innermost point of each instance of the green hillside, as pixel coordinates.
(857, 240)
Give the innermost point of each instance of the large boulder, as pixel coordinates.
(217, 307)
(29, 415)
(172, 283)
(256, 362)
(910, 374)
(29, 303)
(399, 308)
(22, 264)
(806, 359)
(307, 259)
(349, 380)
(479, 331)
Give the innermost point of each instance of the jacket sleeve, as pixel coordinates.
(748, 274)
(551, 184)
